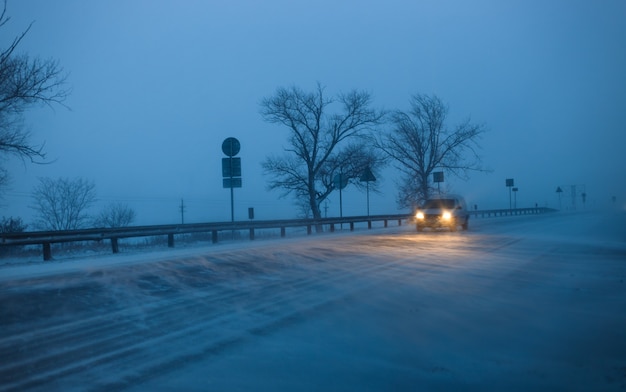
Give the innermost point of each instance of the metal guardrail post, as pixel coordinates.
(282, 232)
(251, 233)
(170, 240)
(114, 245)
(47, 252)
(214, 236)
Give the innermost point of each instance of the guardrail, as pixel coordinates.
(46, 238)
(513, 211)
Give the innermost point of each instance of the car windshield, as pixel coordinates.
(439, 203)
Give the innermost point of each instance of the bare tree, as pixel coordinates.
(350, 163)
(12, 225)
(322, 145)
(24, 82)
(115, 215)
(421, 143)
(61, 204)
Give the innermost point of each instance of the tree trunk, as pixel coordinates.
(315, 209)
(425, 190)
(317, 214)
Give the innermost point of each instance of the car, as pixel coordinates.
(443, 212)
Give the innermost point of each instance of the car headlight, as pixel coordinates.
(419, 215)
(447, 215)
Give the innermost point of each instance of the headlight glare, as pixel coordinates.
(419, 215)
(447, 215)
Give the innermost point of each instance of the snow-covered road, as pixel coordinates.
(517, 303)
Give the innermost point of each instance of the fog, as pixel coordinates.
(157, 86)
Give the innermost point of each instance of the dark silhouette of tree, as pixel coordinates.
(115, 215)
(24, 82)
(321, 144)
(61, 204)
(420, 143)
(12, 225)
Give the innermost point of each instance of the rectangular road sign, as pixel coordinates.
(235, 183)
(231, 167)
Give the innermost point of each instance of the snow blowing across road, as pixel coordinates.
(514, 304)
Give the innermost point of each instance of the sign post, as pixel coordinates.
(368, 176)
(438, 178)
(510, 184)
(340, 181)
(231, 170)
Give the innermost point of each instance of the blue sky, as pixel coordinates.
(158, 85)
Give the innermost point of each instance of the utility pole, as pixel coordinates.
(182, 211)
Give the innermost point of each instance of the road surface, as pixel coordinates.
(516, 303)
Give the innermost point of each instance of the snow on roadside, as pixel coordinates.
(561, 224)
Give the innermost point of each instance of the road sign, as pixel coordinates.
(340, 181)
(509, 184)
(438, 176)
(231, 146)
(231, 170)
(367, 176)
(231, 182)
(231, 167)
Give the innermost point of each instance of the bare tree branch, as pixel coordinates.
(24, 83)
(61, 204)
(115, 215)
(420, 143)
(316, 139)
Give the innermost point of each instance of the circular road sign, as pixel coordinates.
(231, 146)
